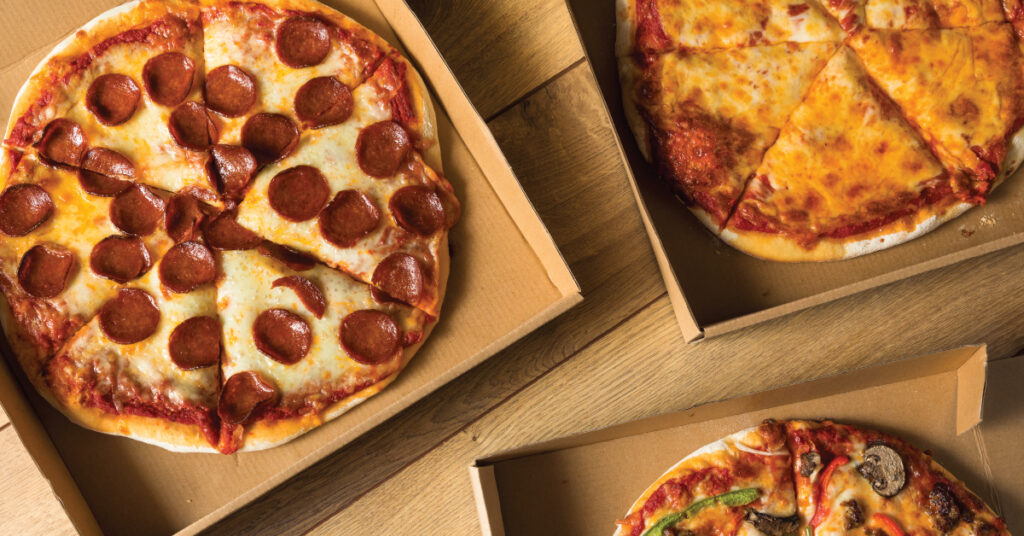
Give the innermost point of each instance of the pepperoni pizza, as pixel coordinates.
(805, 478)
(223, 223)
(822, 130)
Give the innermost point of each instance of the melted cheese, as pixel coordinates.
(749, 92)
(246, 290)
(818, 176)
(78, 223)
(332, 151)
(920, 14)
(962, 87)
(145, 138)
(148, 363)
(232, 37)
(703, 24)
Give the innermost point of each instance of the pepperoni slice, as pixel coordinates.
(113, 98)
(269, 137)
(192, 127)
(323, 101)
(401, 277)
(104, 172)
(23, 207)
(45, 270)
(244, 393)
(62, 143)
(130, 317)
(120, 258)
(296, 260)
(137, 210)
(229, 90)
(298, 193)
(231, 168)
(186, 266)
(303, 41)
(223, 232)
(282, 335)
(169, 78)
(370, 337)
(309, 294)
(418, 209)
(381, 148)
(351, 216)
(183, 217)
(195, 343)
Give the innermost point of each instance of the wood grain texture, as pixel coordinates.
(566, 171)
(601, 385)
(27, 504)
(501, 50)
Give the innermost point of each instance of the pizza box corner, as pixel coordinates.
(507, 279)
(715, 289)
(582, 484)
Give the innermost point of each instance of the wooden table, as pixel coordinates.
(616, 357)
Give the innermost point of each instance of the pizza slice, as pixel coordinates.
(849, 478)
(707, 117)
(147, 365)
(862, 181)
(962, 88)
(654, 26)
(913, 14)
(740, 485)
(65, 251)
(302, 345)
(262, 59)
(359, 196)
(126, 85)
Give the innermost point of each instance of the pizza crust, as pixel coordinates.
(776, 247)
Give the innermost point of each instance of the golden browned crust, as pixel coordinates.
(778, 247)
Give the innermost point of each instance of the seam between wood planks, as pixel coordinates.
(535, 90)
(488, 411)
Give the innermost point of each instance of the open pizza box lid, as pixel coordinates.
(715, 289)
(507, 278)
(582, 484)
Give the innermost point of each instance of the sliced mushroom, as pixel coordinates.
(809, 462)
(773, 525)
(883, 467)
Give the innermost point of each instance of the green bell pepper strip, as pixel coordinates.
(739, 497)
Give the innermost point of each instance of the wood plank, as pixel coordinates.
(567, 171)
(4, 421)
(600, 386)
(27, 504)
(500, 51)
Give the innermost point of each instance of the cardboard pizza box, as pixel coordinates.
(584, 483)
(715, 289)
(507, 278)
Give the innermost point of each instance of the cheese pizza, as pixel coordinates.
(804, 478)
(813, 131)
(223, 223)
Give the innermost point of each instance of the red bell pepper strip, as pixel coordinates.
(888, 524)
(821, 508)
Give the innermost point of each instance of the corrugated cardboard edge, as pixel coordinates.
(691, 329)
(485, 494)
(969, 362)
(492, 161)
(43, 453)
(684, 314)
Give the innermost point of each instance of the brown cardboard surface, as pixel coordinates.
(507, 278)
(716, 289)
(582, 484)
